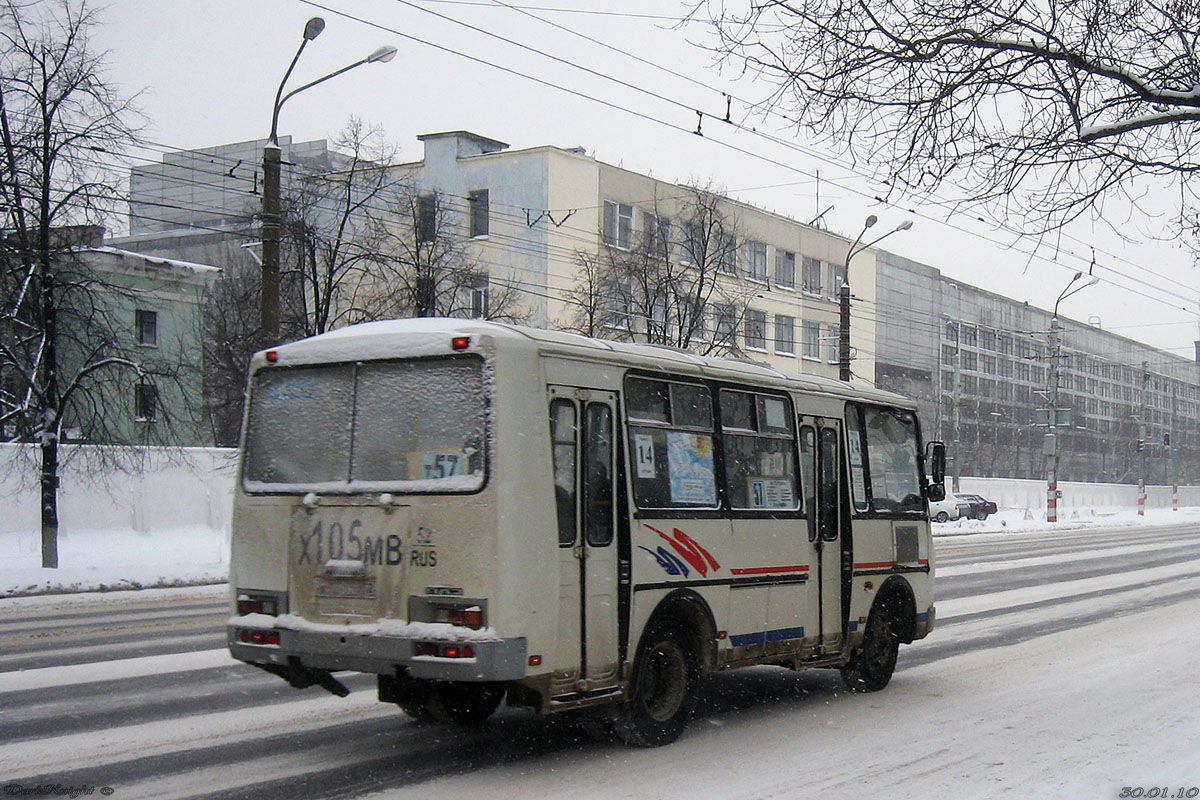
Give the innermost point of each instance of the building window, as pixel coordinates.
(837, 276)
(145, 402)
(726, 255)
(615, 304)
(833, 344)
(812, 340)
(756, 261)
(479, 297)
(724, 324)
(785, 334)
(756, 330)
(480, 212)
(812, 275)
(618, 224)
(691, 245)
(656, 231)
(426, 218)
(147, 327)
(785, 269)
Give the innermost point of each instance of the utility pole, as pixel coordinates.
(1051, 440)
(1174, 447)
(269, 302)
(1142, 441)
(270, 244)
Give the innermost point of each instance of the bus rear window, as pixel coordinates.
(399, 426)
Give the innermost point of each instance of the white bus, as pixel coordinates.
(474, 511)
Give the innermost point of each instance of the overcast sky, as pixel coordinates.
(208, 70)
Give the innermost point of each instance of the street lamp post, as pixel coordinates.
(844, 291)
(1051, 440)
(271, 223)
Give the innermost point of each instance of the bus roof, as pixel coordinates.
(432, 335)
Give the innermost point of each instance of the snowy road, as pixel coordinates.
(1063, 665)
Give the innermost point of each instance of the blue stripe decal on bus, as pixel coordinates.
(761, 637)
(923, 616)
(783, 634)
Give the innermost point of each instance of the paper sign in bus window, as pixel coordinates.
(690, 464)
(442, 465)
(767, 493)
(643, 445)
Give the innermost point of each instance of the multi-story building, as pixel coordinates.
(536, 216)
(140, 315)
(982, 365)
(532, 218)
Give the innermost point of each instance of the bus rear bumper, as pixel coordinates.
(490, 660)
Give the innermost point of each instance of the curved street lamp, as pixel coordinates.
(856, 247)
(269, 308)
(1051, 446)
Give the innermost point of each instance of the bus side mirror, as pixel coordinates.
(935, 452)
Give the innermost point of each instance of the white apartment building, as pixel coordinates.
(533, 214)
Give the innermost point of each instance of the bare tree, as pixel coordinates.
(1050, 107)
(328, 223)
(57, 113)
(365, 244)
(675, 283)
(231, 337)
(425, 261)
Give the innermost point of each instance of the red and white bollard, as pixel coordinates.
(1175, 497)
(1141, 500)
(1052, 501)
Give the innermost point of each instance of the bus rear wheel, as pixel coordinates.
(463, 703)
(871, 667)
(661, 691)
(446, 701)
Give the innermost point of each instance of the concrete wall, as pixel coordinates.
(194, 486)
(1076, 497)
(156, 489)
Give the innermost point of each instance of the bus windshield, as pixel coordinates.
(396, 426)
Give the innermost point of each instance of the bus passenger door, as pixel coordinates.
(583, 431)
(820, 446)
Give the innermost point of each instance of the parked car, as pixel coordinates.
(951, 508)
(980, 507)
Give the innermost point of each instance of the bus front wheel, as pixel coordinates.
(871, 667)
(661, 691)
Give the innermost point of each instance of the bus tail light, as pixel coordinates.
(257, 604)
(467, 617)
(251, 636)
(460, 342)
(453, 650)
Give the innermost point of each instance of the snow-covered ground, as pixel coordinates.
(124, 558)
(1106, 707)
(121, 558)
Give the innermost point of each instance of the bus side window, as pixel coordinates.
(564, 440)
(808, 476)
(598, 479)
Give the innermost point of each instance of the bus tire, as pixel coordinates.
(661, 692)
(871, 667)
(464, 703)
